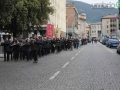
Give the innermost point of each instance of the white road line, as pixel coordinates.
(82, 49)
(55, 75)
(65, 65)
(72, 58)
(111, 51)
(76, 54)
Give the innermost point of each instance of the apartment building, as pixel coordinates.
(58, 19)
(71, 20)
(82, 25)
(110, 25)
(95, 30)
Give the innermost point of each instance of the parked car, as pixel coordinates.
(118, 49)
(112, 43)
(104, 41)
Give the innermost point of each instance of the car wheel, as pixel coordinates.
(117, 51)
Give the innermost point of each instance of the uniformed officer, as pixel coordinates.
(35, 47)
(5, 44)
(58, 45)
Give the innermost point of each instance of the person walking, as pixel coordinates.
(92, 40)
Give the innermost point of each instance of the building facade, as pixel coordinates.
(110, 25)
(58, 18)
(95, 30)
(87, 30)
(82, 25)
(71, 20)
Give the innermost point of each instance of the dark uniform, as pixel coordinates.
(35, 47)
(53, 46)
(27, 50)
(66, 44)
(6, 45)
(70, 44)
(58, 45)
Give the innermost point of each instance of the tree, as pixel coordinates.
(18, 14)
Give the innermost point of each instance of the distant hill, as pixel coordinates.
(93, 15)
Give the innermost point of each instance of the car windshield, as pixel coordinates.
(115, 40)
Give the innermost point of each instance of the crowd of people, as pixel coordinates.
(31, 48)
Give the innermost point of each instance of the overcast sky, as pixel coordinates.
(98, 1)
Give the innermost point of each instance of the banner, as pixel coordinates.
(50, 30)
(57, 32)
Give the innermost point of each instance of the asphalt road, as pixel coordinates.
(91, 67)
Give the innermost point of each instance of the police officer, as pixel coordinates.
(58, 45)
(53, 45)
(16, 47)
(27, 49)
(35, 47)
(5, 44)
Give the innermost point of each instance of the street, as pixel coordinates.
(91, 67)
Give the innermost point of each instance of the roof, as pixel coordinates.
(96, 23)
(109, 16)
(69, 4)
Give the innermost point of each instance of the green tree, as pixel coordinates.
(16, 15)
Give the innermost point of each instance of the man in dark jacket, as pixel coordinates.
(5, 44)
(35, 47)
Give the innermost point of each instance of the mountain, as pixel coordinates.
(93, 15)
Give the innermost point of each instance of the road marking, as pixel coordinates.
(72, 58)
(65, 65)
(76, 54)
(82, 49)
(110, 73)
(110, 50)
(55, 75)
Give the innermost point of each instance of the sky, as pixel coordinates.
(98, 1)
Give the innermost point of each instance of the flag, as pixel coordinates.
(38, 33)
(50, 30)
(57, 32)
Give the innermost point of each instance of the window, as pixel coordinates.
(111, 25)
(107, 31)
(107, 26)
(111, 30)
(110, 20)
(95, 27)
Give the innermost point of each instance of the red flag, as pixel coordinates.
(49, 30)
(52, 29)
